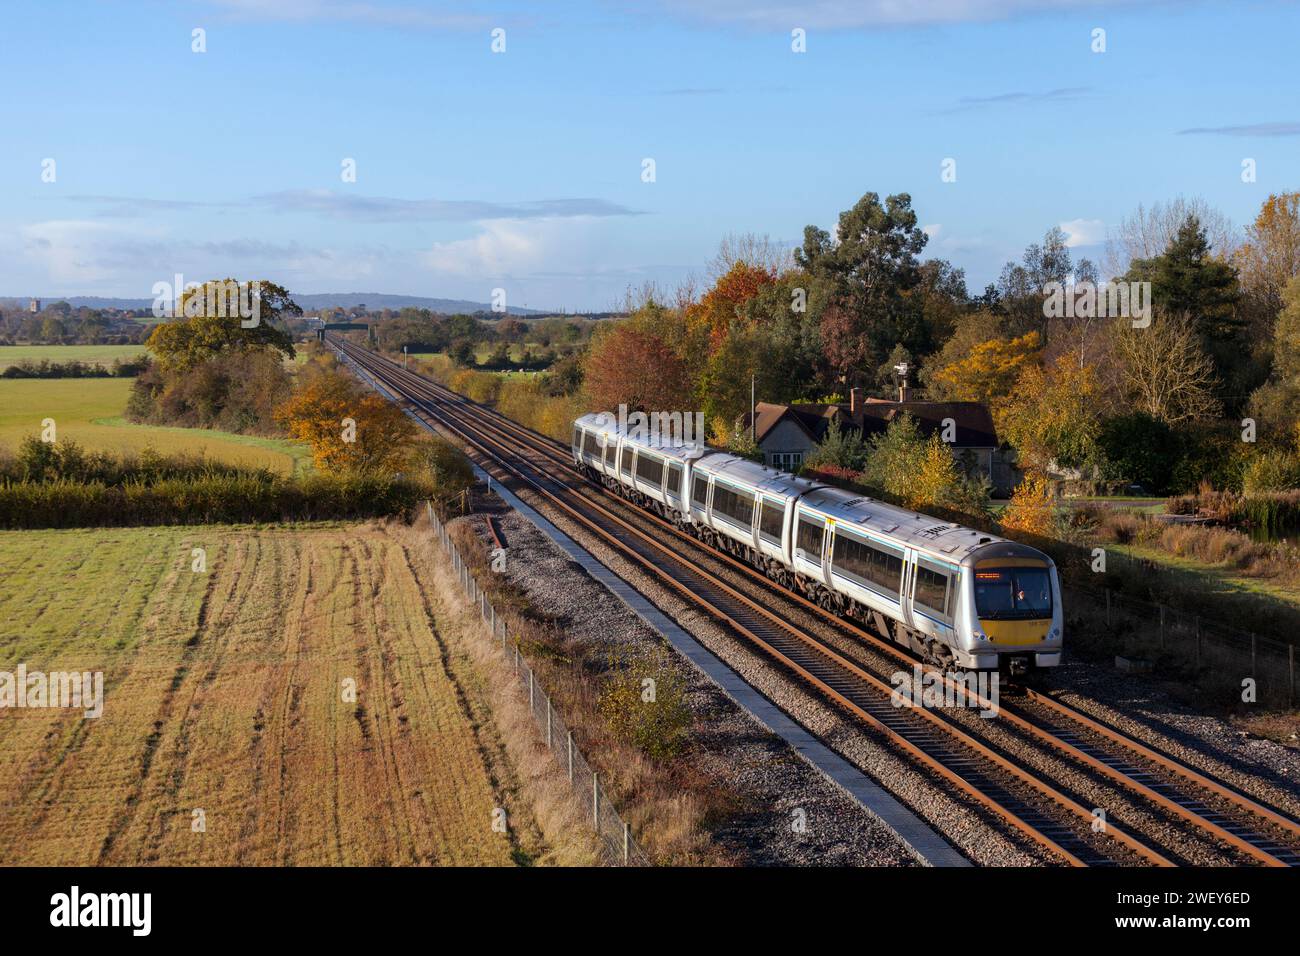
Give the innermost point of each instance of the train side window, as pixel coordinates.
(590, 444)
(577, 437)
(650, 469)
(809, 540)
(700, 491)
(675, 480)
(611, 452)
(877, 567)
(770, 520)
(733, 505)
(931, 589)
(627, 460)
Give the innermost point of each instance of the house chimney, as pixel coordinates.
(853, 400)
(902, 369)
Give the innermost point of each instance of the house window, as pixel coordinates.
(787, 460)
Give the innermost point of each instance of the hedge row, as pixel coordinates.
(207, 500)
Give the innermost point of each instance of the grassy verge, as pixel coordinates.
(641, 751)
(1236, 596)
(207, 498)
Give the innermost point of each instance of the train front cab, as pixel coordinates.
(1013, 601)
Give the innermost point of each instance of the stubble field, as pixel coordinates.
(225, 693)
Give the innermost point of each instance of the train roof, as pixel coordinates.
(944, 539)
(751, 473)
(603, 423)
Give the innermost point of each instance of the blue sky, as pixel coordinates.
(523, 170)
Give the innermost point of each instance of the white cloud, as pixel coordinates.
(78, 252)
(519, 247)
(852, 14)
(1083, 232)
(380, 14)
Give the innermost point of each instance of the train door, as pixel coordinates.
(908, 586)
(673, 487)
(811, 544)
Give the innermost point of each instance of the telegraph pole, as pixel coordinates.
(753, 426)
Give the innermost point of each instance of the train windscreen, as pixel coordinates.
(1013, 593)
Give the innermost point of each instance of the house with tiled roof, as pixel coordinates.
(786, 434)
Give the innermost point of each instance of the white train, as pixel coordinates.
(960, 597)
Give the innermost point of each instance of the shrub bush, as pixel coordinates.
(1272, 471)
(644, 703)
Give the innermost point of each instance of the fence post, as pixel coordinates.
(1290, 669)
(494, 620)
(627, 842)
(595, 800)
(570, 756)
(516, 660)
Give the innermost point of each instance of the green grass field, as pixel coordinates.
(97, 354)
(222, 691)
(89, 411)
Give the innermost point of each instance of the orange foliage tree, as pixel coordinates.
(637, 368)
(348, 429)
(989, 371)
(720, 306)
(1032, 509)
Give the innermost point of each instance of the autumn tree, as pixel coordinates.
(987, 372)
(632, 366)
(197, 335)
(937, 479)
(1166, 372)
(1053, 416)
(1032, 509)
(1270, 257)
(348, 429)
(713, 316)
(1276, 404)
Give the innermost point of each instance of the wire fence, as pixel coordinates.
(1219, 654)
(1213, 650)
(617, 845)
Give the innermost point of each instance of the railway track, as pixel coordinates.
(1029, 804)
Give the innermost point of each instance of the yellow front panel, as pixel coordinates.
(1016, 632)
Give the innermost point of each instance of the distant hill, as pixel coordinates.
(309, 302)
(382, 300)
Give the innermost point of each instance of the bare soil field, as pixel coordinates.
(228, 735)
